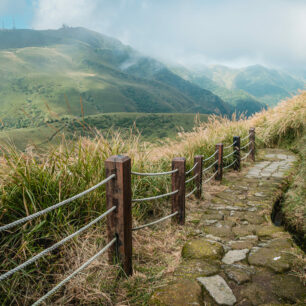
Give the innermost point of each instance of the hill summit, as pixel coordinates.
(48, 72)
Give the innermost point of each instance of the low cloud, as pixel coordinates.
(237, 33)
(12, 6)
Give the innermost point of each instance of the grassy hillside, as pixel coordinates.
(31, 180)
(152, 127)
(268, 86)
(74, 71)
(242, 101)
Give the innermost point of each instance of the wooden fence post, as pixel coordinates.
(252, 144)
(236, 140)
(178, 183)
(219, 165)
(119, 222)
(198, 171)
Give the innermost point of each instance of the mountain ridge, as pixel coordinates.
(45, 68)
(266, 85)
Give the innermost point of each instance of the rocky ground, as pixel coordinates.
(237, 256)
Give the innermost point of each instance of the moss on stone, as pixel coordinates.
(269, 231)
(192, 269)
(289, 288)
(202, 249)
(274, 259)
(223, 232)
(181, 293)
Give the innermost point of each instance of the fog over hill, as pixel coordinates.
(44, 70)
(77, 72)
(249, 85)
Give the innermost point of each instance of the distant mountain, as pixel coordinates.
(268, 86)
(75, 71)
(242, 101)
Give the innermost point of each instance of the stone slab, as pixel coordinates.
(234, 256)
(218, 289)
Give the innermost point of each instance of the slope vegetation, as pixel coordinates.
(78, 72)
(242, 101)
(267, 86)
(31, 180)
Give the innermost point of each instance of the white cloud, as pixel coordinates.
(238, 31)
(12, 6)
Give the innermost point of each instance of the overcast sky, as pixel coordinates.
(233, 32)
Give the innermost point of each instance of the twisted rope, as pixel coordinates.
(244, 138)
(245, 156)
(154, 174)
(228, 155)
(231, 145)
(246, 145)
(211, 156)
(67, 279)
(211, 177)
(189, 171)
(210, 166)
(44, 211)
(155, 197)
(56, 245)
(230, 164)
(190, 193)
(154, 222)
(192, 178)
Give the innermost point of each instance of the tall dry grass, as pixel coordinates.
(32, 181)
(282, 123)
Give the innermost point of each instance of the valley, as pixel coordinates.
(53, 80)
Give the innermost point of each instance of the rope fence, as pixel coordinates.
(44, 211)
(155, 197)
(119, 203)
(246, 145)
(246, 155)
(206, 169)
(154, 174)
(229, 146)
(189, 171)
(211, 156)
(230, 154)
(154, 222)
(210, 178)
(67, 279)
(192, 178)
(246, 137)
(54, 246)
(192, 192)
(231, 164)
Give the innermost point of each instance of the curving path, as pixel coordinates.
(237, 256)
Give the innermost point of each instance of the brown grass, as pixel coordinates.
(156, 251)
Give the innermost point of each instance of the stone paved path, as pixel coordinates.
(237, 256)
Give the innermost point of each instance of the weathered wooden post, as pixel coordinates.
(252, 143)
(178, 183)
(119, 222)
(219, 165)
(237, 157)
(198, 161)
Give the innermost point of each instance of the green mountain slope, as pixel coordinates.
(77, 72)
(242, 101)
(268, 86)
(152, 127)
